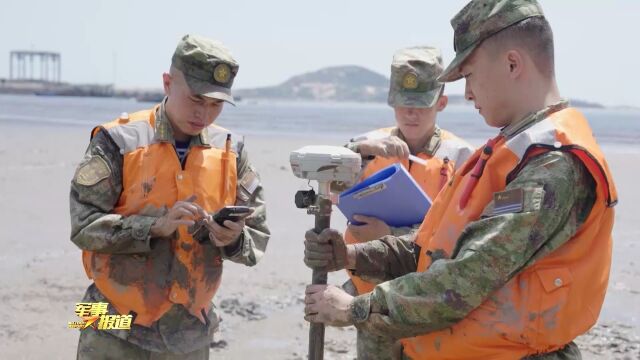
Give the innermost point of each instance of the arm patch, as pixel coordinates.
(250, 181)
(515, 201)
(92, 171)
(247, 185)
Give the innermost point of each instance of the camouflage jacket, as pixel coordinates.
(95, 227)
(569, 195)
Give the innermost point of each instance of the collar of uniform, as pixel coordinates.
(164, 131)
(517, 127)
(432, 145)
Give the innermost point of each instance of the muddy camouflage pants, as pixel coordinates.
(97, 345)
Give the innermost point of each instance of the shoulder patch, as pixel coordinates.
(250, 181)
(92, 172)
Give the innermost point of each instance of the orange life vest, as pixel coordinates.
(179, 270)
(549, 303)
(449, 155)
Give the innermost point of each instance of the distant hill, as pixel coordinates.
(339, 83)
(349, 83)
(344, 84)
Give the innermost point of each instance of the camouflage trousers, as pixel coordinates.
(371, 347)
(97, 345)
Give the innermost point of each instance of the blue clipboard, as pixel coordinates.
(390, 195)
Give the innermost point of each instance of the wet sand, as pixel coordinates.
(41, 276)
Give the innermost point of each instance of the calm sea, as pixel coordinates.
(616, 130)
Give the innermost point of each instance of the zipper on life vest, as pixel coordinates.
(477, 171)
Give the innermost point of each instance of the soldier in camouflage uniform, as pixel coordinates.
(197, 86)
(417, 97)
(504, 50)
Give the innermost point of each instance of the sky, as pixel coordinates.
(130, 43)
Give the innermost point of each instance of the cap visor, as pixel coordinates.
(210, 90)
(220, 96)
(452, 72)
(415, 99)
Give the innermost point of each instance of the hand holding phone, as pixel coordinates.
(232, 213)
(222, 235)
(219, 233)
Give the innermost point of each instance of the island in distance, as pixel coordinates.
(348, 83)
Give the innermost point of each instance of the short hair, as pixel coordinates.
(534, 35)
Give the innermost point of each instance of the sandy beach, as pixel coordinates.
(41, 275)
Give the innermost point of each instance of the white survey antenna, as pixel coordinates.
(325, 163)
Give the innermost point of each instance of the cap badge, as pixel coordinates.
(222, 73)
(410, 81)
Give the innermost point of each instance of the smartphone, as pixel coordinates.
(233, 213)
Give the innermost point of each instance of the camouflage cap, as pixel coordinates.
(207, 65)
(481, 19)
(414, 74)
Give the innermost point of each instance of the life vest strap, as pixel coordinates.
(477, 171)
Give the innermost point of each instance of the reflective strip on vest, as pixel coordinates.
(543, 133)
(133, 135)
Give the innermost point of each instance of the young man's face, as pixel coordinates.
(189, 113)
(488, 86)
(418, 123)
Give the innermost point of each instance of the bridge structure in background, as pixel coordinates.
(43, 66)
